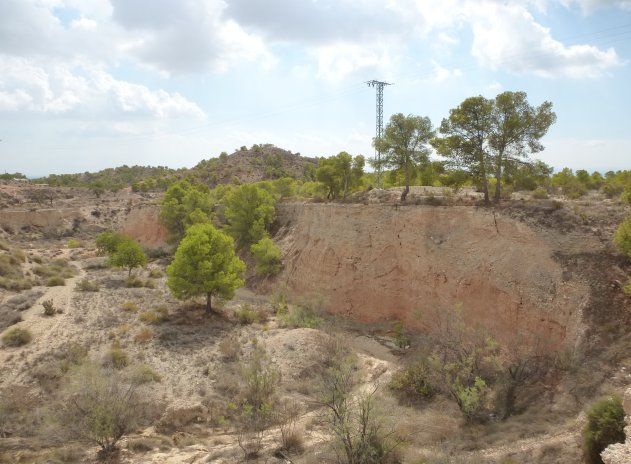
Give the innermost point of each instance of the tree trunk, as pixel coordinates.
(405, 192)
(209, 308)
(129, 273)
(498, 178)
(345, 186)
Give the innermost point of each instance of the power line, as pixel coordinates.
(379, 85)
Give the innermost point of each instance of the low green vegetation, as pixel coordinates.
(605, 426)
(122, 251)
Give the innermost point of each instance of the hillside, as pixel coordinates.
(371, 278)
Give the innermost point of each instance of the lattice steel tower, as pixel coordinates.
(379, 85)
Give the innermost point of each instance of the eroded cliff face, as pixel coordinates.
(385, 263)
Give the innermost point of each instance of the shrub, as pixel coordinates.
(116, 358)
(267, 257)
(540, 193)
(134, 282)
(16, 336)
(101, 406)
(157, 315)
(130, 307)
(574, 189)
(144, 335)
(300, 316)
(74, 243)
(230, 348)
(87, 285)
(622, 237)
(56, 281)
(155, 274)
(413, 382)
(49, 308)
(144, 374)
(246, 314)
(605, 426)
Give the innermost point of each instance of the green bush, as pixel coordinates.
(540, 193)
(145, 374)
(574, 189)
(246, 315)
(413, 382)
(605, 426)
(622, 237)
(300, 316)
(267, 256)
(74, 243)
(16, 336)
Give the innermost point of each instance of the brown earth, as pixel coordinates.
(384, 263)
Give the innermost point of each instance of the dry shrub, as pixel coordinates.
(101, 406)
(157, 315)
(87, 285)
(19, 411)
(130, 307)
(143, 373)
(230, 347)
(286, 415)
(56, 281)
(116, 358)
(144, 444)
(246, 315)
(16, 336)
(49, 308)
(144, 335)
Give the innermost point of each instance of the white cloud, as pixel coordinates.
(61, 89)
(442, 74)
(187, 36)
(340, 60)
(589, 6)
(507, 36)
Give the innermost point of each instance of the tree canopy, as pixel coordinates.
(404, 145)
(185, 204)
(489, 136)
(249, 211)
(340, 173)
(205, 264)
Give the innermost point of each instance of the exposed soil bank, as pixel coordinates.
(384, 263)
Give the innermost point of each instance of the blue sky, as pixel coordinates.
(90, 84)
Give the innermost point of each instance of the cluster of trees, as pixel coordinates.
(483, 138)
(210, 226)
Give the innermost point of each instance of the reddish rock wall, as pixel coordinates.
(378, 262)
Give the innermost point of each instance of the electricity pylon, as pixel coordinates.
(379, 85)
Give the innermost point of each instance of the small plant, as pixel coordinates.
(300, 316)
(155, 273)
(130, 307)
(116, 357)
(74, 243)
(16, 336)
(87, 285)
(230, 348)
(413, 382)
(56, 281)
(49, 308)
(246, 314)
(540, 193)
(157, 315)
(144, 374)
(134, 282)
(605, 426)
(144, 335)
(400, 338)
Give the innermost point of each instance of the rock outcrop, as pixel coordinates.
(620, 453)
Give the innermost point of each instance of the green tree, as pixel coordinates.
(249, 211)
(340, 173)
(107, 242)
(267, 256)
(205, 264)
(128, 255)
(605, 426)
(404, 145)
(185, 204)
(516, 131)
(465, 139)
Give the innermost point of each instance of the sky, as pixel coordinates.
(91, 84)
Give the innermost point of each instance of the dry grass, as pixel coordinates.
(144, 335)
